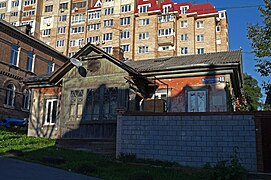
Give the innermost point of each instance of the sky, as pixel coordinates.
(239, 17)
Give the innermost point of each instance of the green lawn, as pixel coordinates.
(105, 167)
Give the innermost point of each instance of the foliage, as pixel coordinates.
(228, 170)
(252, 93)
(260, 36)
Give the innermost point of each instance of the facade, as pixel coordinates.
(82, 102)
(144, 29)
(22, 56)
(213, 83)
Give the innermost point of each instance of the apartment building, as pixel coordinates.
(144, 29)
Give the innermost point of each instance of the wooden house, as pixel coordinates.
(79, 104)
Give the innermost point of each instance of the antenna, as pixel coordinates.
(76, 62)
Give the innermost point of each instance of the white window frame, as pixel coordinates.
(143, 49)
(184, 50)
(107, 37)
(184, 37)
(143, 35)
(46, 32)
(126, 8)
(184, 24)
(108, 22)
(200, 101)
(200, 50)
(184, 9)
(200, 24)
(94, 14)
(144, 22)
(10, 93)
(165, 32)
(50, 112)
(32, 61)
(125, 47)
(60, 43)
(143, 8)
(108, 49)
(108, 11)
(125, 34)
(200, 38)
(125, 21)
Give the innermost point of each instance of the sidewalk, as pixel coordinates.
(12, 169)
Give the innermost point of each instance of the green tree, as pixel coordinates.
(260, 36)
(252, 93)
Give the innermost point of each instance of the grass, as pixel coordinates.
(105, 167)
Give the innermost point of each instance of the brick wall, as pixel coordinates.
(189, 139)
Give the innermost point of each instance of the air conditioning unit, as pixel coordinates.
(97, 43)
(218, 19)
(103, 42)
(48, 24)
(62, 10)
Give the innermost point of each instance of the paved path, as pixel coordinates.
(12, 169)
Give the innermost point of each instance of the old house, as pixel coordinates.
(209, 82)
(80, 103)
(22, 56)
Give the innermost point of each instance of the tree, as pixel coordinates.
(252, 93)
(260, 36)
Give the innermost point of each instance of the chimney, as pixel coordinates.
(118, 53)
(25, 28)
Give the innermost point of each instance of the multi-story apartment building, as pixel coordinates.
(142, 28)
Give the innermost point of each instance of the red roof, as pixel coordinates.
(200, 9)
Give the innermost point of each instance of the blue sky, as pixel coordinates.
(238, 20)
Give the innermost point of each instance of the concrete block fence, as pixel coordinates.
(190, 140)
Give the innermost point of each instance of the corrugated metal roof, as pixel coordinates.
(178, 61)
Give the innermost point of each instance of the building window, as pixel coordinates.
(51, 66)
(46, 32)
(218, 40)
(184, 24)
(60, 43)
(14, 56)
(79, 5)
(48, 8)
(184, 9)
(125, 47)
(76, 105)
(93, 39)
(143, 49)
(109, 0)
(14, 13)
(78, 18)
(63, 6)
(165, 32)
(222, 14)
(108, 49)
(61, 30)
(29, 2)
(76, 42)
(93, 27)
(143, 8)
(200, 50)
(3, 4)
(15, 3)
(94, 15)
(30, 61)
(108, 22)
(184, 37)
(78, 29)
(184, 50)
(125, 21)
(108, 11)
(51, 111)
(47, 21)
(125, 34)
(107, 37)
(200, 38)
(199, 24)
(126, 8)
(165, 18)
(166, 8)
(2, 15)
(29, 13)
(144, 22)
(197, 101)
(63, 18)
(71, 54)
(218, 28)
(101, 103)
(26, 99)
(10, 95)
(143, 35)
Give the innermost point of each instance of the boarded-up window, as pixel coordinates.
(76, 105)
(197, 101)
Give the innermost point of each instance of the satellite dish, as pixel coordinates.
(76, 62)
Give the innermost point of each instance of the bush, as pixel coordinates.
(85, 168)
(140, 176)
(229, 170)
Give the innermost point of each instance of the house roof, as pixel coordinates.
(190, 60)
(7, 28)
(87, 49)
